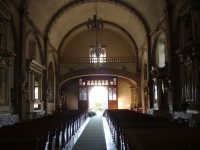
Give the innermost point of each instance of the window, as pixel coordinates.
(36, 89)
(82, 93)
(88, 82)
(155, 92)
(161, 54)
(80, 82)
(156, 107)
(112, 93)
(113, 81)
(85, 83)
(97, 59)
(160, 51)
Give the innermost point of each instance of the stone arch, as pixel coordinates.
(132, 40)
(103, 71)
(74, 3)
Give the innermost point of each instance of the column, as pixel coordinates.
(32, 84)
(28, 85)
(40, 87)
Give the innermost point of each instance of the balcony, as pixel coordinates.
(71, 64)
(93, 60)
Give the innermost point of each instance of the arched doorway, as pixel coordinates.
(98, 98)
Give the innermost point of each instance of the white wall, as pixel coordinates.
(124, 94)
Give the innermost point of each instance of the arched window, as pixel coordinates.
(97, 54)
(160, 51)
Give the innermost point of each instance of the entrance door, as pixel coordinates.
(98, 98)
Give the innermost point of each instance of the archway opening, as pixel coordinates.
(98, 98)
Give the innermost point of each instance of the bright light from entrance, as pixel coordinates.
(98, 98)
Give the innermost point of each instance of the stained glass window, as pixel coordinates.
(83, 93)
(112, 93)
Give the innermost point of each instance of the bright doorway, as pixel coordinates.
(98, 98)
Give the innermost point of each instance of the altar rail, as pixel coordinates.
(92, 60)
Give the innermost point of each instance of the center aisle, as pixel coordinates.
(93, 137)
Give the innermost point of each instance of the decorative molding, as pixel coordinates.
(35, 66)
(162, 74)
(6, 57)
(190, 51)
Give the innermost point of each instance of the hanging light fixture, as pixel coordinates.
(96, 23)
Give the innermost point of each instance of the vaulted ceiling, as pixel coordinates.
(58, 18)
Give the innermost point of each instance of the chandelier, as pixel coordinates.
(96, 24)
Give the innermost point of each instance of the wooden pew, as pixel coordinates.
(162, 138)
(48, 133)
(133, 130)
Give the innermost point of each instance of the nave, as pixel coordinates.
(66, 130)
(53, 54)
(93, 135)
(76, 130)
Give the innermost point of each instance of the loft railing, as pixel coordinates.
(93, 60)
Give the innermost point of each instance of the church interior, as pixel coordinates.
(135, 62)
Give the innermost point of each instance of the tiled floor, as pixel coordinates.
(108, 137)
